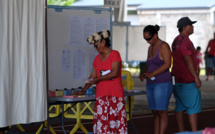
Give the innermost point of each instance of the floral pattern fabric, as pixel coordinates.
(110, 116)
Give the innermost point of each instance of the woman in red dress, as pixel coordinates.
(109, 113)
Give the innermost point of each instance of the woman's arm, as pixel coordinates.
(141, 76)
(114, 73)
(87, 85)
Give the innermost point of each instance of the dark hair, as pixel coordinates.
(151, 29)
(198, 48)
(107, 42)
(180, 30)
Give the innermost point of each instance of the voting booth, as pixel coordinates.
(23, 91)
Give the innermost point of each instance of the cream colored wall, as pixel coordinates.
(203, 29)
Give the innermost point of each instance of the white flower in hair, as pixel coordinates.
(90, 39)
(105, 34)
(97, 37)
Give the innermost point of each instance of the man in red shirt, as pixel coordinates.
(210, 57)
(187, 83)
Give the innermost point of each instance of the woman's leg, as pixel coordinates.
(163, 121)
(162, 94)
(156, 122)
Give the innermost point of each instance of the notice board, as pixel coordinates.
(70, 57)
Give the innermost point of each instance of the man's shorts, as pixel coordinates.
(158, 95)
(187, 97)
(210, 62)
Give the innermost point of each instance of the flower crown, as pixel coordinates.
(98, 36)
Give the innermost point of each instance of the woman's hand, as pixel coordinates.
(148, 75)
(78, 93)
(141, 77)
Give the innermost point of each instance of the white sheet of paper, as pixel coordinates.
(173, 80)
(105, 72)
(79, 63)
(66, 60)
(87, 80)
(92, 55)
(89, 28)
(75, 30)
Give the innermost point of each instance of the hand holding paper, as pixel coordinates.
(88, 80)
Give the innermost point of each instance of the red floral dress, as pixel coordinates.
(110, 116)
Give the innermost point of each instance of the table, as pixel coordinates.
(62, 101)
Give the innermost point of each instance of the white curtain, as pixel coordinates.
(23, 97)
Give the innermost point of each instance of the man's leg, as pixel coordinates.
(208, 73)
(214, 73)
(180, 120)
(193, 122)
(214, 66)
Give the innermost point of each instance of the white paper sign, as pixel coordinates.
(66, 60)
(79, 64)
